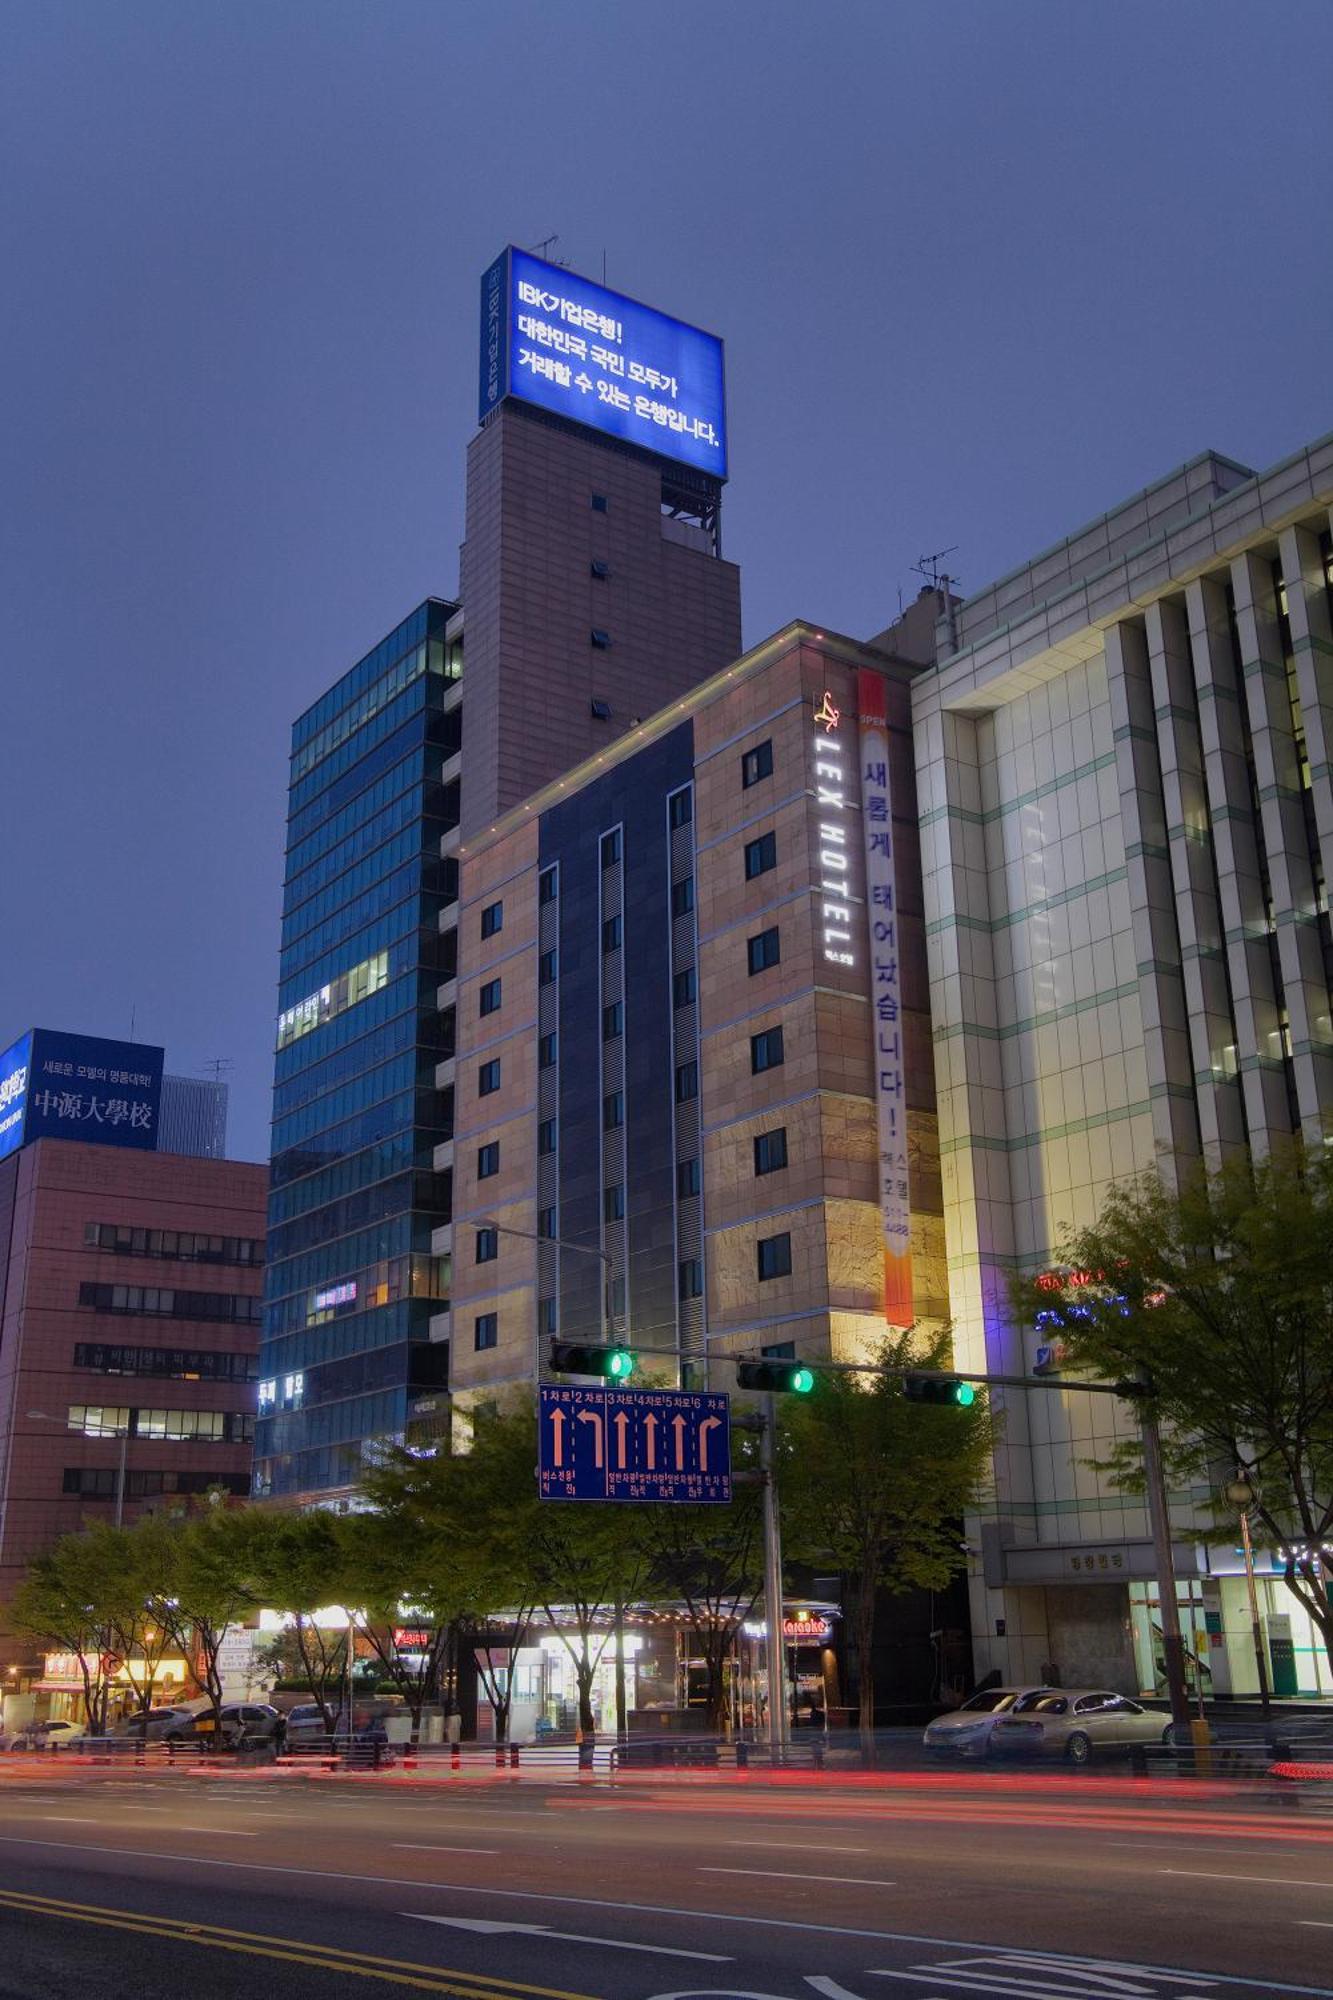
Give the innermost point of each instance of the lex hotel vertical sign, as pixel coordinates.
(839, 750)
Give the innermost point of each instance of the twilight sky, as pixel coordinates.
(984, 268)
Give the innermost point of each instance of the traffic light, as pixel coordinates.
(791, 1378)
(947, 1389)
(573, 1357)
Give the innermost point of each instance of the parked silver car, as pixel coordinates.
(966, 1731)
(1076, 1724)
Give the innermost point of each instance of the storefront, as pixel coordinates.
(1216, 1626)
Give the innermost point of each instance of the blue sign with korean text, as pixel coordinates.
(634, 1444)
(15, 1065)
(572, 347)
(84, 1087)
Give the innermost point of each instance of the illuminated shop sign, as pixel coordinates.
(554, 339)
(55, 1086)
(336, 1295)
(807, 1631)
(830, 777)
(885, 997)
(14, 1066)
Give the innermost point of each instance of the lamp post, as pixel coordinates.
(1242, 1496)
(45, 1417)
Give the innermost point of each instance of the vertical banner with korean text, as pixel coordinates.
(885, 997)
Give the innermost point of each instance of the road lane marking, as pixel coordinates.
(68, 1819)
(1266, 1987)
(486, 1927)
(804, 1846)
(1274, 1881)
(434, 1847)
(798, 1875)
(230, 1832)
(291, 1951)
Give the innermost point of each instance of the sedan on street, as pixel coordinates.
(1077, 1724)
(966, 1731)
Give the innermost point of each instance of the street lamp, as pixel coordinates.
(1242, 1496)
(45, 1417)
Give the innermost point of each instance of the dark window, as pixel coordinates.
(774, 1256)
(601, 570)
(690, 1278)
(611, 847)
(492, 919)
(770, 1150)
(490, 997)
(600, 710)
(485, 1330)
(613, 1111)
(757, 764)
(488, 1077)
(680, 808)
(546, 1136)
(617, 1299)
(180, 1364)
(760, 855)
(765, 1051)
(685, 987)
(547, 883)
(488, 1160)
(600, 504)
(763, 950)
(181, 1245)
(546, 1224)
(546, 966)
(779, 1350)
(613, 1020)
(165, 1302)
(546, 1052)
(682, 897)
(612, 931)
(546, 1315)
(601, 640)
(613, 1203)
(488, 1246)
(687, 1082)
(687, 1178)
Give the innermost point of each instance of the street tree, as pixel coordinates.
(876, 1486)
(299, 1570)
(711, 1558)
(207, 1579)
(396, 1578)
(64, 1602)
(1218, 1297)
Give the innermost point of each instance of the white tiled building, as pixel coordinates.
(1126, 795)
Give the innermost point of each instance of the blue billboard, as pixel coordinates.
(56, 1086)
(557, 340)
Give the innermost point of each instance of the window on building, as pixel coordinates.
(611, 847)
(774, 1258)
(546, 1051)
(546, 968)
(757, 764)
(490, 997)
(546, 1133)
(547, 884)
(488, 1077)
(682, 897)
(492, 919)
(687, 1082)
(685, 987)
(600, 639)
(687, 1178)
(488, 1160)
(765, 1050)
(546, 1224)
(546, 1315)
(761, 855)
(680, 808)
(600, 711)
(600, 504)
(488, 1245)
(613, 1021)
(612, 932)
(690, 1278)
(485, 1330)
(617, 1297)
(613, 1111)
(601, 570)
(613, 1203)
(779, 1350)
(763, 950)
(770, 1150)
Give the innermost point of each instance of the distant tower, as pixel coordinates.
(193, 1117)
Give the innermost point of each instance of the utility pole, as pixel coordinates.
(779, 1725)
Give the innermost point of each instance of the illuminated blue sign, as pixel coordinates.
(55, 1086)
(15, 1064)
(598, 358)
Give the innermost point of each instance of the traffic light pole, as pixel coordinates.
(779, 1725)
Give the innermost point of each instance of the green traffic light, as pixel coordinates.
(802, 1381)
(619, 1364)
(965, 1395)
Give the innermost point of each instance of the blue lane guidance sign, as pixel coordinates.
(634, 1444)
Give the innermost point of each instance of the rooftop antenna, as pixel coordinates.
(545, 249)
(217, 1067)
(134, 1015)
(603, 267)
(929, 567)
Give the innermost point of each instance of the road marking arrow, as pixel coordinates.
(488, 1927)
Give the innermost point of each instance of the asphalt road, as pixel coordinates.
(113, 1884)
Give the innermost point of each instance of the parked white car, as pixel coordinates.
(966, 1731)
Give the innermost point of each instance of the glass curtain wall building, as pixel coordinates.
(359, 1124)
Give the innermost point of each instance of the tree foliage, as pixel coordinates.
(1221, 1295)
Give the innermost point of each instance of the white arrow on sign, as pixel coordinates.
(488, 1927)
(592, 1417)
(708, 1424)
